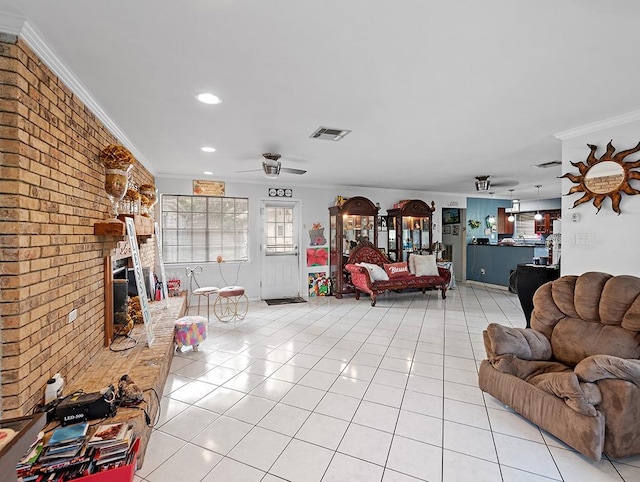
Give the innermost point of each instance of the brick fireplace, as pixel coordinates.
(51, 194)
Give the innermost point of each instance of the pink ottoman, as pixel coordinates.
(190, 330)
(231, 304)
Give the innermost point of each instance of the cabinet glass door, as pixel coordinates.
(392, 234)
(355, 229)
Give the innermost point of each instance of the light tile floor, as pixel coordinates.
(335, 390)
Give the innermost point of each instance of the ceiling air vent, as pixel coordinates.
(329, 134)
(546, 165)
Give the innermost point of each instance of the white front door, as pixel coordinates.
(280, 276)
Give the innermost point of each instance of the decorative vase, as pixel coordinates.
(149, 198)
(115, 185)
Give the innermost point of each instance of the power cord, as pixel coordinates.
(126, 348)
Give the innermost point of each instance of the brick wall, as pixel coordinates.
(51, 194)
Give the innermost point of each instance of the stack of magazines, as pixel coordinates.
(70, 453)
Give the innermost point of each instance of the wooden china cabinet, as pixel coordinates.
(409, 229)
(354, 220)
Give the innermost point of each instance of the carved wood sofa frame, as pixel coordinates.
(365, 252)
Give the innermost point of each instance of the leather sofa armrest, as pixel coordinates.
(360, 277)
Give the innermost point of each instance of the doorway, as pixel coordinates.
(454, 237)
(280, 260)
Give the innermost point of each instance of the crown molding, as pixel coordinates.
(36, 43)
(11, 23)
(599, 125)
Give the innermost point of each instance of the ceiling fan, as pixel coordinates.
(483, 183)
(272, 166)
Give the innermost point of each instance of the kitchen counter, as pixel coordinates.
(499, 261)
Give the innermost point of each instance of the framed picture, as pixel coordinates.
(446, 229)
(455, 229)
(383, 251)
(382, 223)
(450, 216)
(208, 188)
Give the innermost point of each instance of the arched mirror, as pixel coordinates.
(607, 176)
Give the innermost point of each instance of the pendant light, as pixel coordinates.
(511, 217)
(491, 218)
(538, 216)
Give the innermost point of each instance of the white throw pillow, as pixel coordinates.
(376, 273)
(425, 265)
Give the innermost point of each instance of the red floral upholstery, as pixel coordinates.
(365, 252)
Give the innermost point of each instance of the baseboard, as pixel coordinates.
(487, 285)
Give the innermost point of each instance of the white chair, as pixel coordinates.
(199, 291)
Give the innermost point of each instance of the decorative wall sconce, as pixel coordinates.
(117, 161)
(607, 176)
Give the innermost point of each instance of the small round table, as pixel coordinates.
(231, 304)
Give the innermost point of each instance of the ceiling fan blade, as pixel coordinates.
(291, 170)
(251, 170)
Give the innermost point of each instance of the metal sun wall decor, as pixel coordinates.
(607, 176)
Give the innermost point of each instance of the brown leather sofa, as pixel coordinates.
(576, 372)
(366, 252)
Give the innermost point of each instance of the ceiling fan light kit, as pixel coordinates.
(272, 166)
(271, 171)
(483, 183)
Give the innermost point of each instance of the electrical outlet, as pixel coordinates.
(73, 314)
(482, 271)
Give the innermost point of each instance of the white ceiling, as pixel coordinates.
(435, 92)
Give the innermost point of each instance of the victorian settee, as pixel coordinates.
(373, 273)
(576, 372)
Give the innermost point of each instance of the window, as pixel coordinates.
(196, 229)
(280, 231)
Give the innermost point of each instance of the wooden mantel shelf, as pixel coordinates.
(113, 227)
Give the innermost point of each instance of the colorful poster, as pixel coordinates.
(319, 284)
(317, 257)
(316, 235)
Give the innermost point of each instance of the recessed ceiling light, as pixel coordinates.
(208, 98)
(207, 173)
(208, 149)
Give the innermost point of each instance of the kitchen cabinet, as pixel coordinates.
(545, 225)
(504, 225)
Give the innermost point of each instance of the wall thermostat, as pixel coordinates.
(575, 217)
